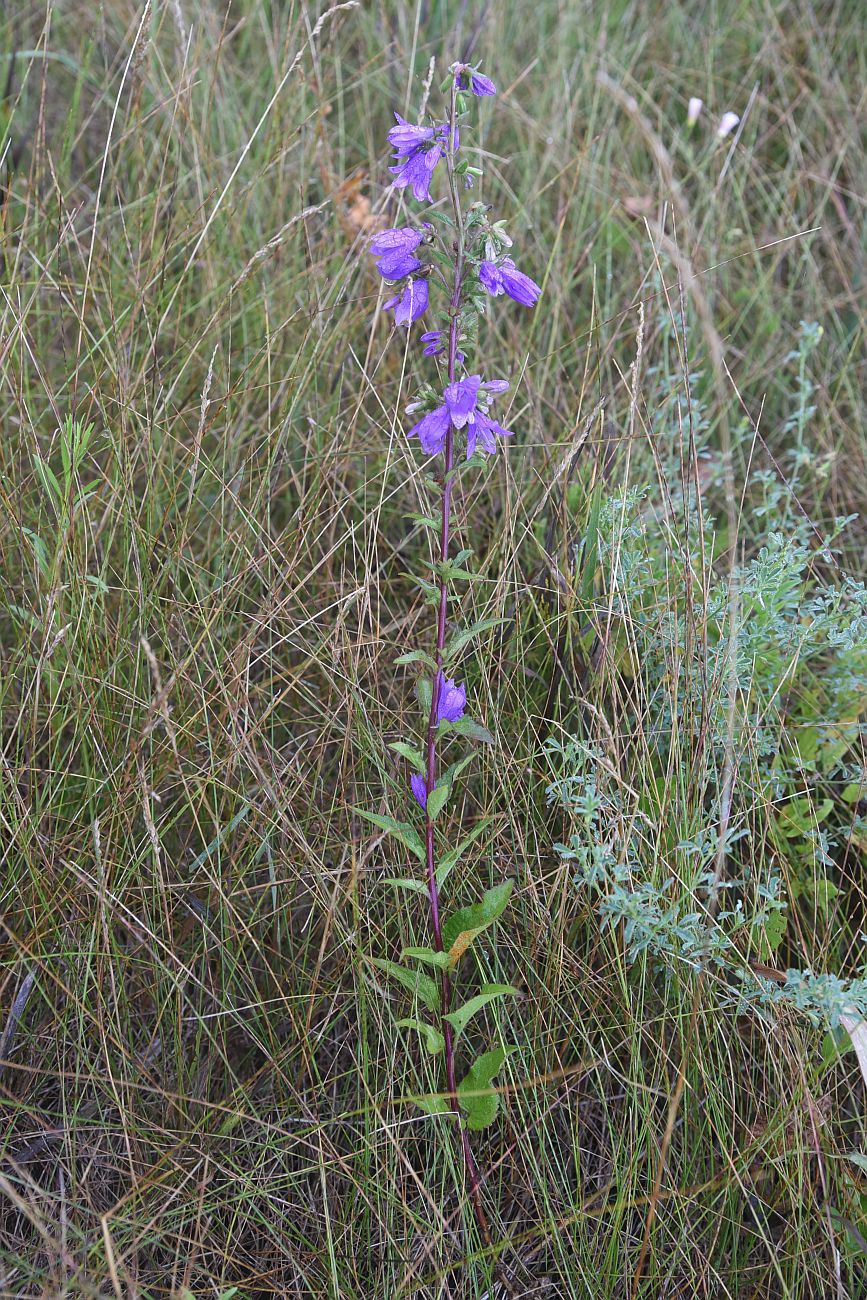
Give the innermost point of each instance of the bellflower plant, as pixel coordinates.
(467, 255)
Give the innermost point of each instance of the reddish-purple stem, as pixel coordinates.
(470, 1165)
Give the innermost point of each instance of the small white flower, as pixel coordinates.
(693, 112)
(728, 122)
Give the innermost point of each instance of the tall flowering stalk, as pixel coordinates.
(465, 256)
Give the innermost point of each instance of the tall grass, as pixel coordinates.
(202, 1085)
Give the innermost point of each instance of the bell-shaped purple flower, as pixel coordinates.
(479, 83)
(461, 398)
(452, 700)
(483, 434)
(419, 789)
(411, 304)
(431, 430)
(395, 249)
(435, 344)
(506, 278)
(404, 138)
(417, 171)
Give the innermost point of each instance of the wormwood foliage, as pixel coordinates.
(784, 640)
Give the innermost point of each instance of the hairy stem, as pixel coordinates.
(472, 1170)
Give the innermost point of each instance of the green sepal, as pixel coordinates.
(407, 834)
(441, 960)
(481, 1105)
(434, 1041)
(410, 753)
(460, 930)
(416, 982)
(460, 1018)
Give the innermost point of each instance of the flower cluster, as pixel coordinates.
(465, 405)
(483, 266)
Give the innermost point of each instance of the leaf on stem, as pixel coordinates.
(433, 1039)
(460, 1018)
(460, 930)
(478, 1100)
(439, 959)
(408, 835)
(414, 981)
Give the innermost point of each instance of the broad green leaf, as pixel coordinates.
(460, 930)
(416, 657)
(414, 981)
(457, 642)
(434, 1041)
(433, 1105)
(480, 1104)
(439, 959)
(452, 858)
(407, 834)
(410, 753)
(436, 800)
(467, 727)
(490, 992)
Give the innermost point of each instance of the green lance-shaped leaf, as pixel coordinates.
(490, 992)
(410, 753)
(407, 834)
(451, 859)
(417, 886)
(416, 657)
(414, 981)
(441, 960)
(467, 727)
(480, 1104)
(433, 1039)
(460, 930)
(463, 638)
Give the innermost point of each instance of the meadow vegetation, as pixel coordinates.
(205, 579)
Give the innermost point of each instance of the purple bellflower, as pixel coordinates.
(465, 405)
(479, 83)
(506, 278)
(394, 250)
(419, 789)
(435, 345)
(411, 304)
(417, 150)
(460, 398)
(482, 435)
(452, 700)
